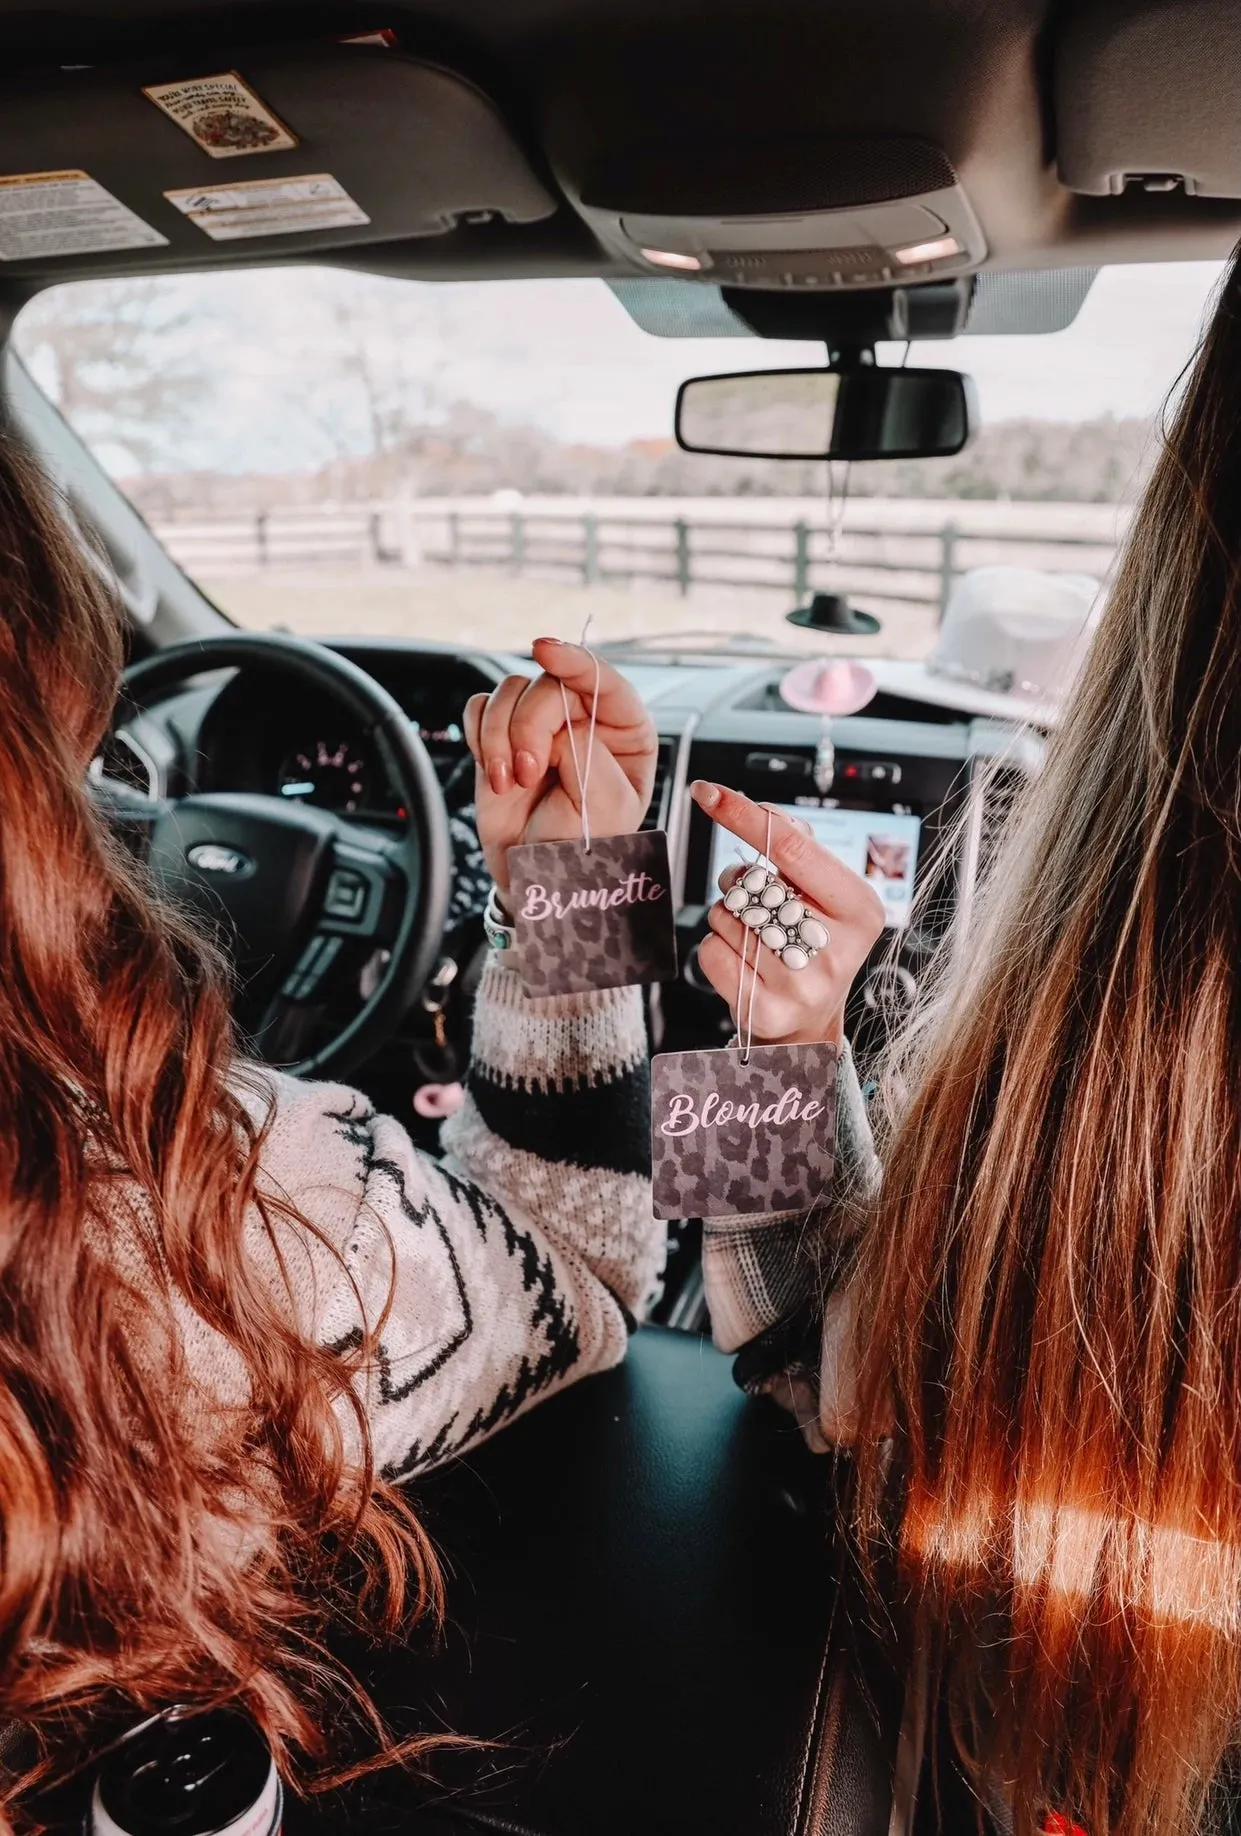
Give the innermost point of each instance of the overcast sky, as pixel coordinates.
(566, 355)
(586, 370)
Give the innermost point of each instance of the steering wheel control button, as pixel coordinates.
(311, 966)
(346, 895)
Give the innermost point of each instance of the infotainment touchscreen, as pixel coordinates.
(881, 846)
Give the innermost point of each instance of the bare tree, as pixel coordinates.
(372, 355)
(124, 362)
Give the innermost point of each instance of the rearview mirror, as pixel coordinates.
(861, 412)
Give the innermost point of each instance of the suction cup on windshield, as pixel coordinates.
(828, 687)
(832, 612)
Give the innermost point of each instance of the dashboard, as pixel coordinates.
(884, 788)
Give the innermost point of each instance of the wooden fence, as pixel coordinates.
(876, 557)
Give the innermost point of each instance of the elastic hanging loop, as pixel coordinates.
(583, 771)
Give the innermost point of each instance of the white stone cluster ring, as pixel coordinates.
(781, 920)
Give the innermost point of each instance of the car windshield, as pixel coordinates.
(336, 453)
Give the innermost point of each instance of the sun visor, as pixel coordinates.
(261, 155)
(1147, 97)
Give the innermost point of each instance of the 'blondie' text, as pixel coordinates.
(684, 1117)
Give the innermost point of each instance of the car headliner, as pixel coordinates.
(641, 84)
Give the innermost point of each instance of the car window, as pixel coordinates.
(338, 453)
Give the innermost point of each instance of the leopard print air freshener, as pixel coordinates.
(594, 913)
(750, 1128)
(736, 1132)
(593, 917)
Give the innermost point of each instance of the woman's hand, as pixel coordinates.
(526, 786)
(791, 1007)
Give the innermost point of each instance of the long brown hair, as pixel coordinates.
(156, 1546)
(1051, 1289)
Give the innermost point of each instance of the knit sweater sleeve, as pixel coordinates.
(511, 1267)
(760, 1270)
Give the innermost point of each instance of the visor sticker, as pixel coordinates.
(385, 38)
(269, 207)
(66, 213)
(223, 115)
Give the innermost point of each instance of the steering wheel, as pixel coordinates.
(302, 898)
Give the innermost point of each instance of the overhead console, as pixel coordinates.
(839, 213)
(1146, 98)
(266, 152)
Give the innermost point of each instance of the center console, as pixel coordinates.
(909, 803)
(882, 814)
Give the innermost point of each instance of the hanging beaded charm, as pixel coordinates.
(773, 910)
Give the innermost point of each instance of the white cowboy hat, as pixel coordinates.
(1017, 631)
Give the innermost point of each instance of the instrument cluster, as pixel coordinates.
(261, 735)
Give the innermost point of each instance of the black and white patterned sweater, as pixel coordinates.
(763, 1269)
(513, 1266)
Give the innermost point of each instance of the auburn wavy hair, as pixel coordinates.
(156, 1546)
(1051, 1288)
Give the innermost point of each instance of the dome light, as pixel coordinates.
(918, 252)
(669, 258)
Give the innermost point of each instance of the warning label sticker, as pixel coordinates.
(66, 213)
(269, 207)
(223, 114)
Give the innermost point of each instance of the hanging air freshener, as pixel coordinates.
(747, 1128)
(594, 913)
(440, 1093)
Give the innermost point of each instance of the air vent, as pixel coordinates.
(1002, 789)
(121, 761)
(658, 812)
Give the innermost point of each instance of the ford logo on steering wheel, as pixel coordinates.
(213, 857)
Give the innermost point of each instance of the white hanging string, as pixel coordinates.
(583, 770)
(745, 1029)
(745, 1023)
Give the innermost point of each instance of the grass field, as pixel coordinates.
(494, 610)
